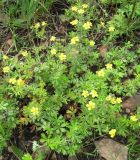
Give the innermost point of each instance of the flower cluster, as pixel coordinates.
(61, 56)
(93, 93)
(79, 10)
(39, 24)
(90, 105)
(12, 80)
(18, 82)
(101, 73)
(113, 100)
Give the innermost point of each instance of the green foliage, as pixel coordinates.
(8, 120)
(22, 12)
(27, 157)
(68, 88)
(17, 152)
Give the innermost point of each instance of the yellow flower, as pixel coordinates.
(87, 25)
(24, 53)
(94, 93)
(6, 69)
(118, 100)
(62, 57)
(20, 82)
(53, 51)
(12, 81)
(74, 40)
(101, 73)
(81, 11)
(108, 66)
(37, 25)
(84, 6)
(91, 43)
(53, 38)
(74, 8)
(111, 28)
(133, 118)
(108, 98)
(85, 93)
(102, 24)
(113, 100)
(34, 111)
(43, 23)
(74, 22)
(112, 133)
(90, 105)
(5, 57)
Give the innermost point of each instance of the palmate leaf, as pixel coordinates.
(27, 157)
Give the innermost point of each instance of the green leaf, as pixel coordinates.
(137, 10)
(27, 157)
(17, 152)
